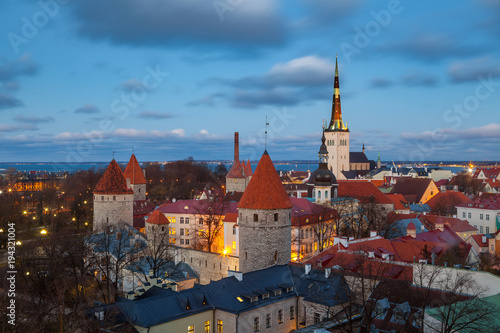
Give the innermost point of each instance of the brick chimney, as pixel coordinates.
(236, 146)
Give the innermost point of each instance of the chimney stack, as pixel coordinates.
(236, 146)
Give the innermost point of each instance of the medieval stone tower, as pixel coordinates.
(240, 173)
(264, 220)
(135, 177)
(337, 135)
(113, 199)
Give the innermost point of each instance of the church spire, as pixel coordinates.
(336, 122)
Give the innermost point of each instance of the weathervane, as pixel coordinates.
(265, 141)
(114, 154)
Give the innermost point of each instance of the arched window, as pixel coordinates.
(319, 194)
(326, 194)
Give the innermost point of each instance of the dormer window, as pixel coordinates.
(254, 299)
(289, 289)
(265, 296)
(277, 292)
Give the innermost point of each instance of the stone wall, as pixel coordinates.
(209, 266)
(112, 209)
(139, 191)
(236, 184)
(264, 242)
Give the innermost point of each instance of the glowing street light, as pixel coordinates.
(18, 243)
(43, 232)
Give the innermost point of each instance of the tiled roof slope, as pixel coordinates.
(399, 201)
(236, 171)
(157, 217)
(447, 199)
(363, 191)
(248, 169)
(412, 187)
(133, 171)
(265, 190)
(112, 181)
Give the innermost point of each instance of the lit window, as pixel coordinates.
(234, 245)
(239, 299)
(207, 326)
(187, 232)
(191, 329)
(219, 326)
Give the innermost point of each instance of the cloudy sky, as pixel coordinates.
(419, 80)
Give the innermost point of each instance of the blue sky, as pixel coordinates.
(419, 80)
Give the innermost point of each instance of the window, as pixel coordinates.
(255, 217)
(187, 241)
(280, 316)
(102, 197)
(481, 216)
(268, 320)
(256, 324)
(481, 229)
(187, 232)
(487, 217)
(171, 219)
(186, 220)
(275, 217)
(182, 232)
(207, 326)
(191, 329)
(463, 214)
(469, 215)
(182, 220)
(234, 230)
(114, 197)
(234, 245)
(316, 318)
(200, 221)
(292, 312)
(219, 326)
(487, 230)
(182, 241)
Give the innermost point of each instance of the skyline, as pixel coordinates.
(419, 81)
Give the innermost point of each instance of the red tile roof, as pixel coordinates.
(455, 224)
(157, 217)
(133, 171)
(265, 190)
(248, 169)
(447, 199)
(412, 188)
(112, 181)
(236, 171)
(489, 173)
(399, 201)
(305, 212)
(411, 226)
(479, 240)
(403, 249)
(491, 203)
(362, 190)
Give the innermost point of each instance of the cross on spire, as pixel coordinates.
(265, 140)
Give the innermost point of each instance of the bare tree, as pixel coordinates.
(159, 253)
(463, 310)
(210, 213)
(323, 225)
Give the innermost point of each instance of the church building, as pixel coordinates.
(343, 163)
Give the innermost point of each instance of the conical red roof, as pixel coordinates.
(133, 171)
(157, 217)
(265, 190)
(248, 169)
(112, 181)
(236, 170)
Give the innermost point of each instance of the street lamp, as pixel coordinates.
(43, 232)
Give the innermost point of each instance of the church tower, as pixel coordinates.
(135, 177)
(337, 134)
(113, 199)
(264, 220)
(323, 184)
